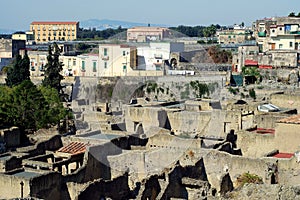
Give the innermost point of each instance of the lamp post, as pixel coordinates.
(22, 185)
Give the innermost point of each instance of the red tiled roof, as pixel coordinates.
(283, 155)
(265, 131)
(53, 23)
(295, 119)
(74, 148)
(251, 62)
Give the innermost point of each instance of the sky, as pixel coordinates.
(18, 14)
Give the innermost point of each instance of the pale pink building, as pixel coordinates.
(146, 34)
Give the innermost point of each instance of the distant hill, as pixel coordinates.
(6, 31)
(114, 24)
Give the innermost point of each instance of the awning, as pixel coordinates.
(251, 63)
(265, 67)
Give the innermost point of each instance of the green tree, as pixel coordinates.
(53, 69)
(19, 71)
(55, 111)
(209, 31)
(252, 94)
(26, 107)
(200, 89)
(29, 107)
(292, 14)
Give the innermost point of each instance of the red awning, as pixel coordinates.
(251, 62)
(265, 67)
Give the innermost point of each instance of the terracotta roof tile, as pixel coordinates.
(74, 148)
(295, 119)
(283, 155)
(52, 23)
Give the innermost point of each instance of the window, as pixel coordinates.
(105, 65)
(74, 62)
(124, 53)
(83, 65)
(273, 31)
(105, 52)
(280, 46)
(94, 66)
(291, 44)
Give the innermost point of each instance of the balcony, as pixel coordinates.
(158, 56)
(262, 34)
(105, 57)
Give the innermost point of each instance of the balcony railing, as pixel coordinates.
(262, 34)
(105, 57)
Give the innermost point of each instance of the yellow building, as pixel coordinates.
(54, 31)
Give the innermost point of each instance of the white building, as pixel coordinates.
(153, 57)
(116, 60)
(89, 65)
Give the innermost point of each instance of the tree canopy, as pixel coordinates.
(19, 71)
(30, 107)
(53, 69)
(197, 31)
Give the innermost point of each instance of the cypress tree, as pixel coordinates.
(19, 71)
(53, 69)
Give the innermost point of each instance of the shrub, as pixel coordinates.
(248, 178)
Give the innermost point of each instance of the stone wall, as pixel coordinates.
(255, 145)
(9, 163)
(11, 188)
(268, 120)
(286, 101)
(114, 189)
(148, 116)
(43, 186)
(287, 137)
(217, 163)
(11, 136)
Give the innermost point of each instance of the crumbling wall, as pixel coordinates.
(47, 186)
(114, 189)
(11, 136)
(286, 101)
(287, 137)
(148, 116)
(11, 188)
(255, 145)
(189, 122)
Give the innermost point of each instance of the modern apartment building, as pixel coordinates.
(278, 33)
(146, 34)
(54, 31)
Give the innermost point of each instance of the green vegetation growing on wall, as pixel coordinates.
(248, 178)
(200, 89)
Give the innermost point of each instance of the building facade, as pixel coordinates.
(278, 33)
(54, 31)
(88, 65)
(154, 56)
(117, 60)
(249, 56)
(146, 34)
(236, 35)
